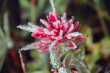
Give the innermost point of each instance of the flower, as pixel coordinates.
(61, 29)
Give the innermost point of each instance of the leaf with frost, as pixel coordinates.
(30, 27)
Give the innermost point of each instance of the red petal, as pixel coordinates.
(39, 33)
(52, 17)
(71, 45)
(76, 26)
(80, 39)
(42, 46)
(45, 23)
(71, 28)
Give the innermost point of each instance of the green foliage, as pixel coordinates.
(5, 39)
(40, 63)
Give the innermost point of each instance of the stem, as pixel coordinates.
(52, 4)
(54, 59)
(52, 45)
(22, 63)
(53, 56)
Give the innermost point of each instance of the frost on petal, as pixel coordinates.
(71, 45)
(55, 25)
(26, 28)
(42, 46)
(40, 33)
(76, 26)
(45, 23)
(70, 21)
(79, 39)
(52, 17)
(74, 34)
(63, 18)
(71, 28)
(68, 36)
(65, 27)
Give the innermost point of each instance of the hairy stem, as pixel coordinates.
(52, 4)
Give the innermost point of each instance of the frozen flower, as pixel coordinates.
(61, 29)
(57, 32)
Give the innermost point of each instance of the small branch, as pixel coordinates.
(28, 47)
(22, 63)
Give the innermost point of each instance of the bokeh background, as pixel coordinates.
(94, 16)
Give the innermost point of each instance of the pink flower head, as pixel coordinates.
(61, 29)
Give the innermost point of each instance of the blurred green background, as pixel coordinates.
(94, 16)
